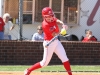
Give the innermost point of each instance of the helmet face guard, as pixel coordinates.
(49, 18)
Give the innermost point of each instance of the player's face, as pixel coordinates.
(40, 31)
(49, 18)
(7, 19)
(88, 34)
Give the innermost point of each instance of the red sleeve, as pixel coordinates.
(3, 22)
(93, 39)
(85, 39)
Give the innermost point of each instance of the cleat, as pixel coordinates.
(26, 72)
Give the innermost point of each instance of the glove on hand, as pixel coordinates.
(63, 31)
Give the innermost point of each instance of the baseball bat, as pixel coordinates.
(53, 39)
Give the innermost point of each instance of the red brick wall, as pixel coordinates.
(28, 53)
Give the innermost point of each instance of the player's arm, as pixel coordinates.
(34, 37)
(11, 25)
(56, 31)
(63, 25)
(60, 22)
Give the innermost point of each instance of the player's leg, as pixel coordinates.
(60, 52)
(33, 67)
(48, 52)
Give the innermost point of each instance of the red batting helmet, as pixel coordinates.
(47, 11)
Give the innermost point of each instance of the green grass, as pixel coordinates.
(50, 68)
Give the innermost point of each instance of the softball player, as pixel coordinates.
(51, 29)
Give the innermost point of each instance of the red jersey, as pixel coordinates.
(1, 24)
(91, 39)
(49, 28)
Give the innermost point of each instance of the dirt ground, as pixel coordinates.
(49, 73)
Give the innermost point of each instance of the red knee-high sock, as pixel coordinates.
(35, 66)
(67, 67)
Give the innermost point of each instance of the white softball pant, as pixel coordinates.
(55, 47)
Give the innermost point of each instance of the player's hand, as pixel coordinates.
(65, 27)
(89, 36)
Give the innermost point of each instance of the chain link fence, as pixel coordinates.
(26, 16)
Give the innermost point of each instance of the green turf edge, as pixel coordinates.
(50, 68)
